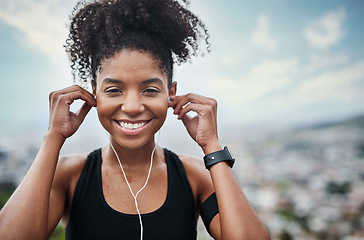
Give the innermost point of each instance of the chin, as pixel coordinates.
(133, 144)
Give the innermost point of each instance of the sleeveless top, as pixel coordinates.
(92, 218)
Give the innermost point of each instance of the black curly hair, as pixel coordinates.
(163, 28)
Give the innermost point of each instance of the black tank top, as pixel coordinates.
(92, 218)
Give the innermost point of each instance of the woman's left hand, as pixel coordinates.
(203, 126)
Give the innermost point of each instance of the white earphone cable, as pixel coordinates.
(145, 184)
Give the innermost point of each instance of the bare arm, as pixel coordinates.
(28, 213)
(25, 215)
(236, 218)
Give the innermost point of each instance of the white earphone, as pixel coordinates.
(146, 181)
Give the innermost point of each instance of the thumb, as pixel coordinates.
(82, 112)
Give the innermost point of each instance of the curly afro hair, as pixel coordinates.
(162, 28)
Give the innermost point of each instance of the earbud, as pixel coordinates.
(169, 99)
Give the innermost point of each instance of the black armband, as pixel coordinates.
(208, 210)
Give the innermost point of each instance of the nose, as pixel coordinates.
(132, 104)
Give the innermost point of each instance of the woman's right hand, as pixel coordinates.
(62, 120)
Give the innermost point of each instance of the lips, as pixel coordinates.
(132, 128)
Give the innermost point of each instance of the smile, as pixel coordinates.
(131, 126)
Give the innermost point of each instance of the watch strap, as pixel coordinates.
(219, 156)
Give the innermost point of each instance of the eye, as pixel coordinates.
(113, 90)
(150, 90)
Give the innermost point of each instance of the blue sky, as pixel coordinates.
(273, 63)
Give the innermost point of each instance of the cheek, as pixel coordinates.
(105, 109)
(163, 111)
(158, 107)
(163, 102)
(103, 106)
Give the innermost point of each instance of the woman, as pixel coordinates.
(131, 188)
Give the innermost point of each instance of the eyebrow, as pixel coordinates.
(110, 80)
(152, 80)
(144, 82)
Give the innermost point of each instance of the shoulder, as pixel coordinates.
(69, 168)
(72, 162)
(192, 164)
(198, 175)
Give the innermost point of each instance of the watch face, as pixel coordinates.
(230, 153)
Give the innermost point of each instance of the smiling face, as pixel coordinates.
(132, 97)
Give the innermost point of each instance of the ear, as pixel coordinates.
(173, 89)
(93, 84)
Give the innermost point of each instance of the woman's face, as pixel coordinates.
(132, 97)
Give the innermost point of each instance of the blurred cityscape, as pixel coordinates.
(308, 183)
(305, 183)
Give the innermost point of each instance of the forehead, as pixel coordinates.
(132, 64)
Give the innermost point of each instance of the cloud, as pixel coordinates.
(324, 61)
(268, 77)
(338, 85)
(262, 37)
(274, 68)
(336, 92)
(247, 97)
(281, 87)
(41, 22)
(334, 88)
(326, 31)
(263, 80)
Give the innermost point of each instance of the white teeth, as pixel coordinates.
(132, 126)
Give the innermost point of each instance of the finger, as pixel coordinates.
(85, 95)
(72, 88)
(180, 102)
(173, 100)
(70, 97)
(82, 94)
(195, 107)
(82, 112)
(191, 124)
(195, 98)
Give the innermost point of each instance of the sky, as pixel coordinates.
(272, 64)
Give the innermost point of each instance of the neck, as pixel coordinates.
(130, 158)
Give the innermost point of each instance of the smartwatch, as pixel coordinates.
(219, 156)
